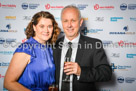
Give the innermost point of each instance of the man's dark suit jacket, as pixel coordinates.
(92, 60)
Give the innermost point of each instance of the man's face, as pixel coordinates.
(71, 22)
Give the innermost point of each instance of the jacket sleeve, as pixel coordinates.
(101, 70)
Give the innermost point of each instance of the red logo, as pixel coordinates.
(24, 40)
(96, 7)
(1, 76)
(126, 44)
(121, 43)
(47, 6)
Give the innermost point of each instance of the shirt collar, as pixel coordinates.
(75, 40)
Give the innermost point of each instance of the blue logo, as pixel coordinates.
(130, 55)
(8, 26)
(57, 18)
(4, 89)
(130, 80)
(132, 18)
(2, 40)
(132, 6)
(94, 31)
(115, 19)
(106, 43)
(33, 6)
(24, 6)
(30, 6)
(9, 40)
(123, 6)
(85, 31)
(4, 64)
(125, 28)
(7, 52)
(113, 67)
(126, 79)
(120, 67)
(81, 6)
(120, 79)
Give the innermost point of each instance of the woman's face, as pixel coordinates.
(43, 30)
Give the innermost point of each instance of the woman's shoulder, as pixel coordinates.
(26, 47)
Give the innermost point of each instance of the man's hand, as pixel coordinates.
(72, 68)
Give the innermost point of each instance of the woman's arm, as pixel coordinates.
(15, 69)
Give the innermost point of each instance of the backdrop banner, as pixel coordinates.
(112, 21)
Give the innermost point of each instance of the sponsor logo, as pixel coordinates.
(1, 76)
(2, 40)
(123, 6)
(125, 28)
(130, 79)
(4, 64)
(10, 17)
(130, 55)
(115, 19)
(7, 6)
(132, 6)
(57, 18)
(8, 40)
(97, 7)
(24, 40)
(106, 43)
(120, 44)
(115, 55)
(4, 89)
(27, 17)
(129, 6)
(85, 19)
(120, 79)
(24, 29)
(92, 31)
(120, 67)
(8, 26)
(48, 6)
(7, 52)
(132, 18)
(99, 19)
(126, 44)
(126, 79)
(81, 6)
(26, 6)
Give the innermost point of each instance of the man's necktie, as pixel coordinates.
(66, 84)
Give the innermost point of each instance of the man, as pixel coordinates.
(88, 60)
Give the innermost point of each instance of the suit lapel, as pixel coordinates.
(58, 58)
(80, 50)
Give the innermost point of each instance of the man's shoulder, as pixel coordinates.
(90, 39)
(60, 39)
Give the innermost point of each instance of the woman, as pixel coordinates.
(32, 66)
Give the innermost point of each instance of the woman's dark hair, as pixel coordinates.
(34, 21)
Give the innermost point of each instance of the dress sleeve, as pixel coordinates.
(26, 48)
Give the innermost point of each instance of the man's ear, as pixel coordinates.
(81, 22)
